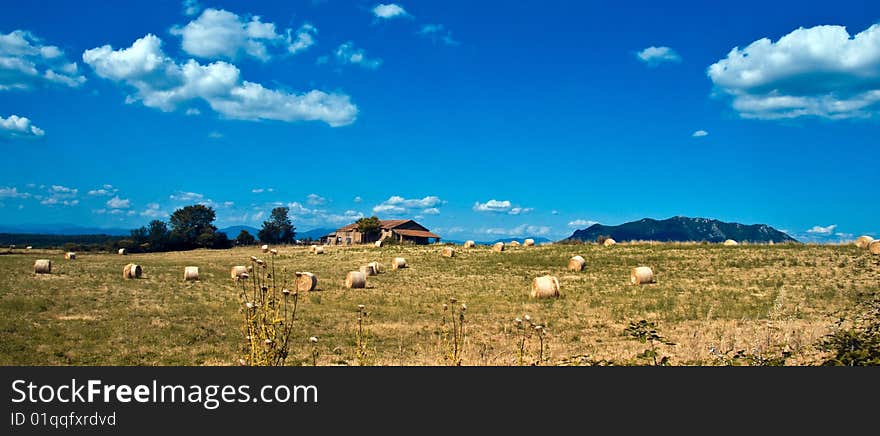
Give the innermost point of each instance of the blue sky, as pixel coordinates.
(479, 119)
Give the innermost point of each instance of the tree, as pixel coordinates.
(189, 225)
(157, 235)
(369, 227)
(278, 229)
(245, 238)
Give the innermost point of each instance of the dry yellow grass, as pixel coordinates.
(757, 298)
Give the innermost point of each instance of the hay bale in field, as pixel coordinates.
(306, 281)
(448, 252)
(376, 266)
(237, 271)
(545, 287)
(513, 243)
(368, 270)
(190, 273)
(398, 263)
(70, 255)
(770, 243)
(499, 247)
(28, 247)
(122, 252)
(264, 248)
(576, 263)
(874, 247)
(730, 242)
(132, 271)
(864, 241)
(609, 242)
(641, 275)
(355, 279)
(529, 242)
(317, 249)
(378, 243)
(43, 266)
(469, 244)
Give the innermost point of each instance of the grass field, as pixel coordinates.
(761, 299)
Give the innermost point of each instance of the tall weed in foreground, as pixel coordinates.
(268, 314)
(453, 338)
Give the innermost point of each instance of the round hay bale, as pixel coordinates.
(874, 246)
(529, 242)
(132, 271)
(545, 287)
(641, 275)
(469, 244)
(398, 263)
(28, 247)
(122, 252)
(70, 255)
(43, 266)
(448, 252)
(191, 273)
(499, 247)
(355, 279)
(237, 271)
(306, 281)
(368, 270)
(264, 248)
(378, 243)
(864, 241)
(513, 243)
(316, 249)
(376, 266)
(730, 242)
(609, 242)
(576, 263)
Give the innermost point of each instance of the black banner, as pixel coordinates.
(146, 400)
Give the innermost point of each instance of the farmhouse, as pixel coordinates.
(398, 230)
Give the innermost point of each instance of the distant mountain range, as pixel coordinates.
(233, 231)
(681, 229)
(62, 229)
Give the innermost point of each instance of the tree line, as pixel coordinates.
(192, 227)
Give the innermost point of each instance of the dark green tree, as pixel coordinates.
(278, 229)
(190, 224)
(157, 235)
(369, 227)
(245, 238)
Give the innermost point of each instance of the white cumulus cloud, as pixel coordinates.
(25, 62)
(15, 126)
(315, 200)
(191, 7)
(160, 82)
(820, 71)
(700, 134)
(118, 203)
(220, 34)
(397, 205)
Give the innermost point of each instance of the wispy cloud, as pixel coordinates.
(500, 206)
(25, 63)
(437, 33)
(700, 134)
(827, 230)
(347, 54)
(653, 56)
(389, 11)
(397, 205)
(581, 223)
